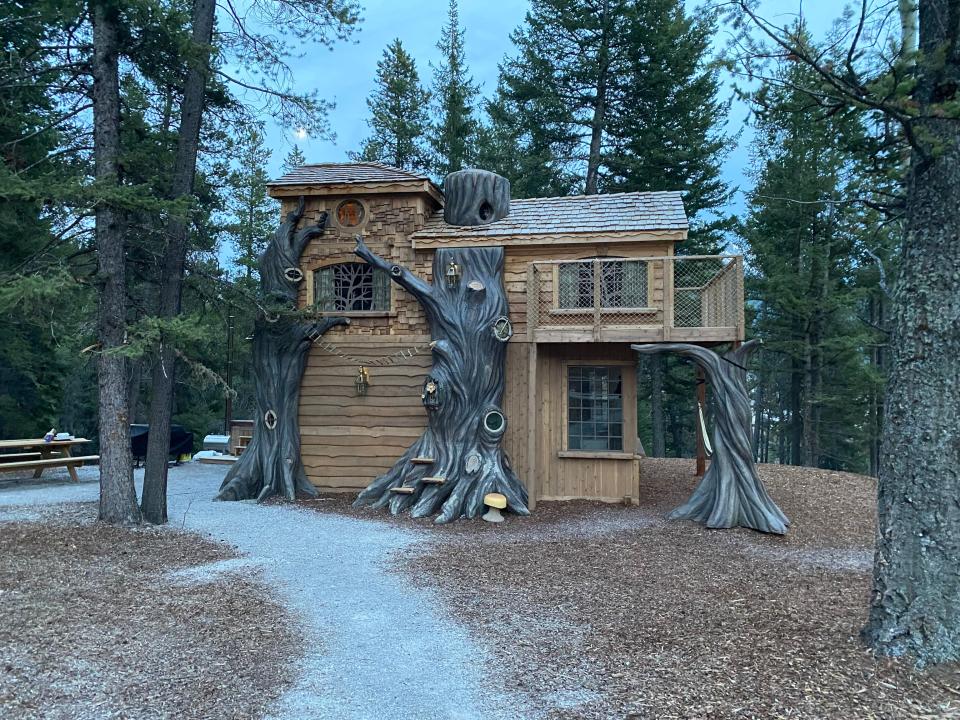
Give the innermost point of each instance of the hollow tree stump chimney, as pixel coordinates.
(475, 197)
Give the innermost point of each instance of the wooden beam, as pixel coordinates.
(533, 425)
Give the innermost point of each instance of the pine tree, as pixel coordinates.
(398, 113)
(252, 213)
(800, 238)
(613, 96)
(294, 159)
(453, 134)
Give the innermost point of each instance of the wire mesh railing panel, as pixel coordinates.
(671, 291)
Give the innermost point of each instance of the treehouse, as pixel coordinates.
(583, 278)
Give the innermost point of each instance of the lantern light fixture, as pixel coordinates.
(362, 381)
(453, 274)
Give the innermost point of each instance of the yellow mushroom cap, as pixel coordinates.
(495, 500)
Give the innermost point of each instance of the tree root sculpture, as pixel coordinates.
(731, 493)
(458, 459)
(270, 464)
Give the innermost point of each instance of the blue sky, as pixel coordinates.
(346, 74)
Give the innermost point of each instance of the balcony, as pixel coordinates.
(695, 298)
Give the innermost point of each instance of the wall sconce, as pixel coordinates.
(362, 381)
(453, 274)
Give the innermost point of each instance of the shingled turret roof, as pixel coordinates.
(345, 174)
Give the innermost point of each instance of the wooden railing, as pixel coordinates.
(682, 298)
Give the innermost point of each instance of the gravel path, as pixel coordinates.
(381, 647)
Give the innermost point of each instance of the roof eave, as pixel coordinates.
(284, 190)
(425, 240)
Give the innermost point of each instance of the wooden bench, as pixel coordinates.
(70, 463)
(18, 457)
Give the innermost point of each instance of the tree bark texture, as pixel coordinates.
(475, 197)
(915, 609)
(154, 500)
(118, 497)
(463, 391)
(271, 464)
(731, 493)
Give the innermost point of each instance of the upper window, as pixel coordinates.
(350, 213)
(351, 287)
(623, 284)
(594, 408)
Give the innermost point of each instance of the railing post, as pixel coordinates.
(597, 296)
(668, 296)
(533, 300)
(741, 322)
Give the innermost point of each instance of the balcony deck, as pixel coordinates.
(694, 298)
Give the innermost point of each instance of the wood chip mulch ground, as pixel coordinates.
(95, 622)
(604, 611)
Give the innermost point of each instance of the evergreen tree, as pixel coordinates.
(251, 211)
(294, 159)
(453, 133)
(800, 238)
(398, 113)
(613, 96)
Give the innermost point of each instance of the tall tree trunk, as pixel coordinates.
(909, 21)
(731, 493)
(598, 123)
(915, 608)
(658, 428)
(118, 497)
(796, 411)
(758, 418)
(154, 501)
(271, 464)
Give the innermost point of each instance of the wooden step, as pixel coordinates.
(434, 480)
(422, 461)
(402, 490)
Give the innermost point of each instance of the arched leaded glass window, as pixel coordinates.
(351, 287)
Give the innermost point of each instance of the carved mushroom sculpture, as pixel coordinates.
(495, 502)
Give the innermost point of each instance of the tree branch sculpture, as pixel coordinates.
(270, 464)
(458, 459)
(731, 493)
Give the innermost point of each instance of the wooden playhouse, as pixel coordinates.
(585, 277)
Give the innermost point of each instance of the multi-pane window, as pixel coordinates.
(594, 408)
(623, 284)
(351, 287)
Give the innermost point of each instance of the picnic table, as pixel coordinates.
(36, 454)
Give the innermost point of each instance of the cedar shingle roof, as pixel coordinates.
(616, 212)
(345, 174)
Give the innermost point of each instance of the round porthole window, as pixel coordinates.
(293, 274)
(350, 213)
(270, 419)
(502, 329)
(494, 422)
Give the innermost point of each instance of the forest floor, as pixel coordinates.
(598, 611)
(100, 621)
(300, 609)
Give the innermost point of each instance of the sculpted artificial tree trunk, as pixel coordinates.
(270, 464)
(730, 493)
(458, 459)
